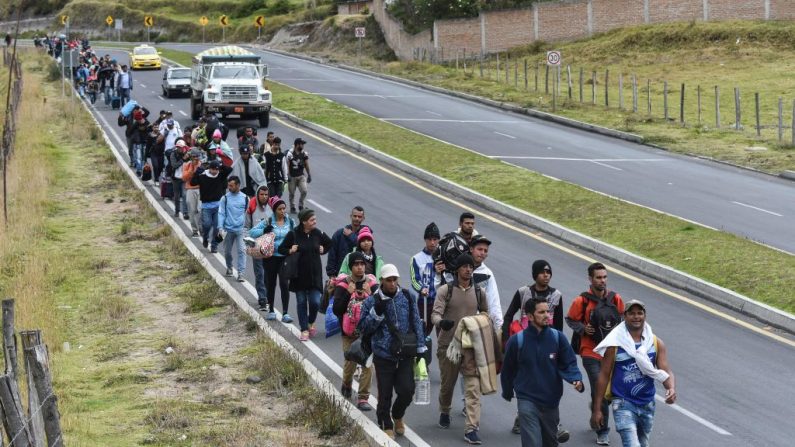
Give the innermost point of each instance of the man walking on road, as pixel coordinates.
(212, 186)
(298, 169)
(258, 210)
(633, 358)
(466, 226)
(536, 362)
(248, 171)
(192, 192)
(423, 275)
(343, 241)
(231, 218)
(124, 84)
(483, 277)
(275, 168)
(591, 317)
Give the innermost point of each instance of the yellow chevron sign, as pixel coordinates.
(149, 21)
(224, 20)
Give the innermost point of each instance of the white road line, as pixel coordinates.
(435, 120)
(610, 160)
(161, 98)
(183, 113)
(142, 85)
(606, 165)
(693, 416)
(308, 79)
(433, 113)
(323, 208)
(756, 208)
(505, 135)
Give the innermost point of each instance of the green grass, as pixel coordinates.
(727, 260)
(700, 55)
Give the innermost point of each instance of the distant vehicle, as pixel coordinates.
(144, 56)
(176, 81)
(229, 80)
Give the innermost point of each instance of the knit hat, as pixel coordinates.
(464, 259)
(274, 202)
(354, 257)
(365, 233)
(539, 266)
(138, 115)
(215, 164)
(305, 214)
(432, 231)
(195, 152)
(217, 134)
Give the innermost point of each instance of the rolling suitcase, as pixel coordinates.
(115, 102)
(166, 189)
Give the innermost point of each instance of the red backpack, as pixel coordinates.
(354, 311)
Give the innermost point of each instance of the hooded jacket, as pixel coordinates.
(232, 211)
(256, 213)
(397, 311)
(254, 171)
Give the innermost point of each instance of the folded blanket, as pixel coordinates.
(479, 330)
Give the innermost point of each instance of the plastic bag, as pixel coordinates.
(332, 323)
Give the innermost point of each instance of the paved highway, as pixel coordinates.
(754, 206)
(735, 385)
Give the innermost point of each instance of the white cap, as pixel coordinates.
(388, 271)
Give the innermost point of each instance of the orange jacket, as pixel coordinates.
(582, 314)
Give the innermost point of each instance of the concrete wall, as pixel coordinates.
(564, 20)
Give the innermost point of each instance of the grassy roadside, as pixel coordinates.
(756, 57)
(90, 264)
(727, 260)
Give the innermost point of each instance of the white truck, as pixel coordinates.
(229, 80)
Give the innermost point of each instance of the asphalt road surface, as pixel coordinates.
(734, 380)
(754, 206)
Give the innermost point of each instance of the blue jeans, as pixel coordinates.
(259, 281)
(304, 299)
(139, 152)
(124, 94)
(210, 225)
(108, 93)
(538, 425)
(633, 422)
(592, 367)
(234, 240)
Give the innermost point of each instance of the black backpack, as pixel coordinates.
(451, 246)
(605, 316)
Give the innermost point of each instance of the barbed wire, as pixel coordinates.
(26, 425)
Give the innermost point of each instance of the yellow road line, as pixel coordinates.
(549, 242)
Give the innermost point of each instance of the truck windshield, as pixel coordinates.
(180, 74)
(235, 72)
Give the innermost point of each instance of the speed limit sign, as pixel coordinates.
(553, 58)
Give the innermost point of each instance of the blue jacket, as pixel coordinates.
(341, 245)
(536, 373)
(232, 212)
(281, 231)
(397, 310)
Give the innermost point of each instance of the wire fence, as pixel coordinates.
(13, 100)
(705, 107)
(39, 424)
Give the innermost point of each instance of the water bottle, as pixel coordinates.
(422, 385)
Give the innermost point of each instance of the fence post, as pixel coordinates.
(665, 100)
(648, 96)
(607, 87)
(537, 76)
(507, 67)
(634, 94)
(682, 105)
(525, 74)
(557, 78)
(756, 109)
(497, 73)
(10, 340)
(480, 67)
(516, 74)
(737, 112)
(717, 107)
(568, 76)
(698, 100)
(42, 378)
(555, 87)
(14, 416)
(620, 91)
(780, 119)
(593, 87)
(581, 74)
(546, 80)
(456, 59)
(29, 340)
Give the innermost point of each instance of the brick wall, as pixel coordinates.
(505, 28)
(610, 14)
(561, 21)
(736, 9)
(459, 34)
(782, 9)
(661, 11)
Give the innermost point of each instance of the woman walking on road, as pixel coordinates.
(310, 243)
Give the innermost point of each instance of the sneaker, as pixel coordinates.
(563, 436)
(300, 208)
(264, 307)
(312, 330)
(516, 430)
(362, 405)
(271, 316)
(464, 412)
(205, 242)
(195, 233)
(603, 439)
(400, 428)
(229, 271)
(240, 278)
(176, 214)
(304, 336)
(286, 318)
(292, 210)
(157, 183)
(346, 391)
(185, 216)
(215, 250)
(472, 437)
(389, 432)
(250, 241)
(444, 420)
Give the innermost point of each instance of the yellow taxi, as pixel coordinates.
(145, 56)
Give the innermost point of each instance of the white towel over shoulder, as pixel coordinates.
(620, 336)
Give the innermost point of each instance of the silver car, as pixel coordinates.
(176, 81)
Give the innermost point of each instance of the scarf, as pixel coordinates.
(621, 337)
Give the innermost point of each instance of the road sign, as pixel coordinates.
(109, 20)
(259, 22)
(119, 24)
(224, 20)
(149, 21)
(204, 20)
(360, 31)
(64, 19)
(553, 58)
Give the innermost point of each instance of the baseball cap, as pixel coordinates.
(245, 149)
(389, 271)
(299, 141)
(628, 305)
(479, 239)
(169, 122)
(215, 164)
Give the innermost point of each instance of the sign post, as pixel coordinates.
(224, 20)
(109, 21)
(360, 32)
(119, 27)
(148, 22)
(554, 58)
(203, 21)
(259, 22)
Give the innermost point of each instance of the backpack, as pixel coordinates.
(604, 317)
(451, 246)
(354, 311)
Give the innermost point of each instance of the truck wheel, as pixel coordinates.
(194, 109)
(165, 93)
(264, 119)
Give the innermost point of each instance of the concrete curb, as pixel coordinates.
(704, 289)
(789, 175)
(374, 435)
